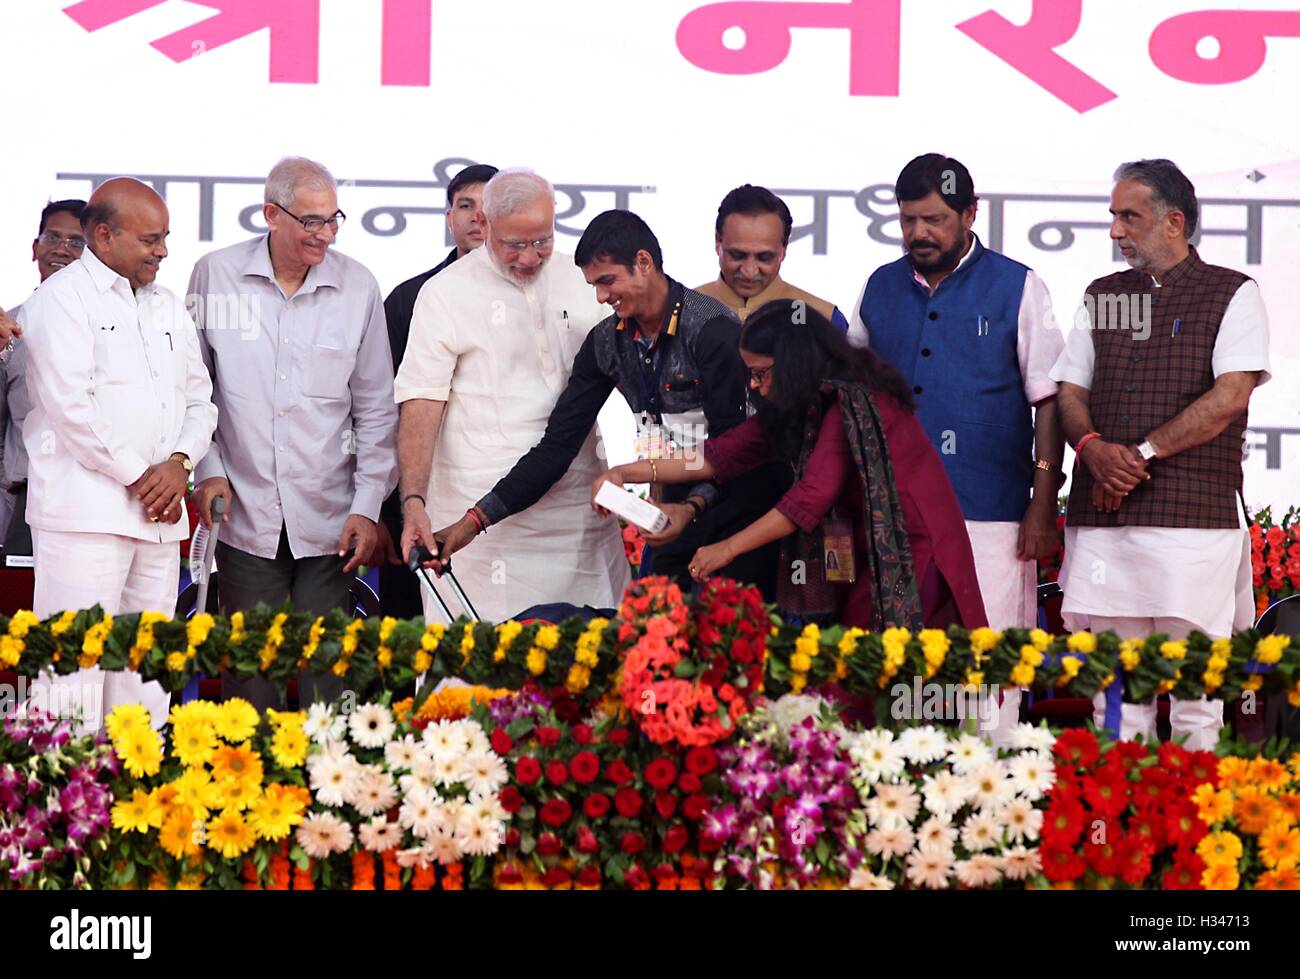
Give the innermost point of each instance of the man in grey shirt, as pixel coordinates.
(294, 336)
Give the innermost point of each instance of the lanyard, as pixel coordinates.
(650, 393)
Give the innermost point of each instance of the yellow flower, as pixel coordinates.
(92, 644)
(63, 623)
(1130, 654)
(1031, 655)
(138, 814)
(1221, 647)
(975, 678)
(547, 638)
(798, 682)
(1216, 663)
(126, 718)
(1173, 649)
(578, 679)
(1293, 695)
(433, 633)
(350, 641)
(1220, 877)
(811, 631)
(1164, 686)
(236, 720)
(1220, 848)
(536, 661)
(800, 662)
(1233, 772)
(11, 650)
(983, 639)
(1269, 774)
(423, 661)
(384, 657)
(466, 643)
(237, 628)
(289, 747)
(1022, 675)
(1070, 666)
(193, 741)
(230, 835)
(140, 750)
(274, 637)
(506, 634)
(198, 628)
(1212, 680)
(1270, 648)
(1082, 642)
(1041, 640)
(805, 646)
(849, 641)
(195, 791)
(235, 794)
(314, 635)
(386, 626)
(274, 814)
(1107, 680)
(1279, 847)
(286, 718)
(237, 762)
(22, 623)
(179, 835)
(1253, 684)
(176, 661)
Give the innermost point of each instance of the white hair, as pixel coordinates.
(292, 173)
(514, 189)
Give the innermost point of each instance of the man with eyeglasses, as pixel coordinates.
(293, 333)
(399, 590)
(57, 245)
(491, 349)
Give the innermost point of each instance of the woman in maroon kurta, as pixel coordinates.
(790, 352)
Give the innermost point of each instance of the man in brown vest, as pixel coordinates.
(752, 232)
(1155, 381)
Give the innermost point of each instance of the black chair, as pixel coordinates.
(364, 601)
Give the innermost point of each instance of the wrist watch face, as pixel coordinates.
(1147, 451)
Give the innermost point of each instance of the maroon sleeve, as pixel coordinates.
(812, 497)
(737, 451)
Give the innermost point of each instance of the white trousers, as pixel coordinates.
(1009, 587)
(123, 575)
(1200, 720)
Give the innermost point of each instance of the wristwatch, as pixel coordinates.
(184, 460)
(1146, 450)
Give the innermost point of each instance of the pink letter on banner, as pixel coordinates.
(873, 27)
(408, 42)
(1029, 50)
(294, 26)
(1242, 47)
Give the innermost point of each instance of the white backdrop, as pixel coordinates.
(654, 99)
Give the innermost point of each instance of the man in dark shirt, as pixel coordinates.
(399, 590)
(673, 354)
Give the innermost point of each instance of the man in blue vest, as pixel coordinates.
(974, 334)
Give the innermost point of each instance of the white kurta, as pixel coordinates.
(499, 354)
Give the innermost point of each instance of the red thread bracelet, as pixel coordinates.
(1078, 449)
(478, 522)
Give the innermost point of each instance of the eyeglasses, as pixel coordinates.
(313, 224)
(518, 246)
(757, 375)
(52, 239)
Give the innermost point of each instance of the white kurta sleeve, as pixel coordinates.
(431, 351)
(1242, 343)
(200, 419)
(1039, 342)
(1074, 365)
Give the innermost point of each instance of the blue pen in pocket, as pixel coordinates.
(1178, 327)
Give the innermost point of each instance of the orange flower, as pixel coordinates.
(238, 762)
(1232, 772)
(363, 870)
(453, 877)
(1221, 877)
(1254, 810)
(1279, 847)
(302, 879)
(251, 881)
(392, 871)
(1268, 774)
(423, 878)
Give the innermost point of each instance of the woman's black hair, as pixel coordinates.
(808, 349)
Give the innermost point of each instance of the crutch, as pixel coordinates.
(209, 553)
(420, 554)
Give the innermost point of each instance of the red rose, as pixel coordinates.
(701, 760)
(1275, 536)
(557, 773)
(665, 804)
(618, 772)
(689, 783)
(510, 874)
(582, 733)
(501, 742)
(556, 877)
(589, 876)
(566, 708)
(596, 805)
(675, 839)
(527, 770)
(618, 736)
(724, 615)
(548, 736)
(627, 802)
(707, 635)
(632, 843)
(548, 844)
(556, 812)
(695, 806)
(512, 838)
(661, 773)
(726, 693)
(584, 767)
(587, 842)
(636, 878)
(511, 800)
(742, 652)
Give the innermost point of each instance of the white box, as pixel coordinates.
(631, 508)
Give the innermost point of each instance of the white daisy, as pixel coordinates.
(990, 786)
(936, 834)
(792, 710)
(892, 806)
(476, 836)
(321, 724)
(923, 745)
(487, 806)
(379, 834)
(894, 842)
(443, 739)
(442, 847)
(945, 792)
(1032, 774)
(447, 769)
(323, 833)
(929, 869)
(877, 755)
(421, 776)
(1020, 862)
(981, 870)
(981, 832)
(333, 781)
(419, 812)
(371, 725)
(864, 880)
(418, 856)
(402, 754)
(1026, 737)
(375, 792)
(969, 752)
(476, 741)
(1021, 820)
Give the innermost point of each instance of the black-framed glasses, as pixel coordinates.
(312, 224)
(757, 375)
(52, 239)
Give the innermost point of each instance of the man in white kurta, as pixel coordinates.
(491, 347)
(121, 410)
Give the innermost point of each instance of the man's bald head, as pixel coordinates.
(126, 226)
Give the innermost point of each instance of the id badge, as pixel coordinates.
(837, 556)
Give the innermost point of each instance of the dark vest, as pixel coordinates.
(957, 349)
(1152, 361)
